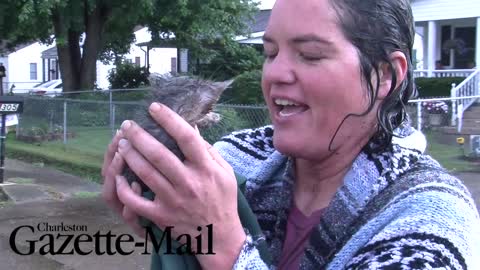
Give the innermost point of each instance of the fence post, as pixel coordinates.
(111, 109)
(113, 118)
(65, 123)
(453, 94)
(419, 116)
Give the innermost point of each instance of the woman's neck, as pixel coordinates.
(316, 182)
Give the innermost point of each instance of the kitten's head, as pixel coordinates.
(191, 98)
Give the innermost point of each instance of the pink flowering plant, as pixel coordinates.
(436, 107)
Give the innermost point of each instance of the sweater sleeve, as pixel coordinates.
(436, 227)
(249, 257)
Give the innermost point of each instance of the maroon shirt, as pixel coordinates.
(298, 232)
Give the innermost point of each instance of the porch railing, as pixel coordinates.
(443, 73)
(468, 88)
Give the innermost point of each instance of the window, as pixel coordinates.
(137, 61)
(173, 65)
(33, 71)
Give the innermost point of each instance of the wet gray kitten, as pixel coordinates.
(192, 98)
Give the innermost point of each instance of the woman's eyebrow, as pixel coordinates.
(311, 38)
(301, 39)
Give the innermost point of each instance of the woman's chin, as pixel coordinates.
(287, 146)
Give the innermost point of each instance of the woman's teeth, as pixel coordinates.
(288, 107)
(284, 102)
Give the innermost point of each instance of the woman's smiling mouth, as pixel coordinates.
(288, 108)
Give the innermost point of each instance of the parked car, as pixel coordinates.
(50, 89)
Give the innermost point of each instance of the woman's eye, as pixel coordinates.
(269, 55)
(310, 57)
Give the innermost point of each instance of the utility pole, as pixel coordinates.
(2, 130)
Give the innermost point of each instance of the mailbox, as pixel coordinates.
(11, 105)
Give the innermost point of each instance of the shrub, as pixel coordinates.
(231, 121)
(246, 89)
(127, 75)
(227, 62)
(436, 107)
(436, 87)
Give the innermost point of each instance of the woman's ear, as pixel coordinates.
(399, 66)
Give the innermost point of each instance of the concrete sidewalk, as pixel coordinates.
(43, 195)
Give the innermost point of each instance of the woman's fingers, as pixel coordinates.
(152, 150)
(130, 216)
(110, 153)
(188, 140)
(144, 170)
(109, 191)
(217, 157)
(143, 207)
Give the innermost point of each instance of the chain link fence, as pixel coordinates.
(87, 121)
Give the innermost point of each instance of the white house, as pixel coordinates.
(24, 66)
(31, 64)
(450, 31)
(438, 23)
(160, 60)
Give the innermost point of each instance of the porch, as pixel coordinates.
(447, 46)
(463, 103)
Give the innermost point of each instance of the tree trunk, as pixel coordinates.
(68, 54)
(79, 68)
(94, 24)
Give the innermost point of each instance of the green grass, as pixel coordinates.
(82, 156)
(86, 194)
(19, 180)
(450, 156)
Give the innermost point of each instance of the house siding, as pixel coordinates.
(18, 67)
(160, 59)
(427, 10)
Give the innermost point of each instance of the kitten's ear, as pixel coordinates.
(223, 85)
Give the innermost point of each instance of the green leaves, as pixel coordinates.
(198, 25)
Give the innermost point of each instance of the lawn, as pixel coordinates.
(83, 155)
(450, 156)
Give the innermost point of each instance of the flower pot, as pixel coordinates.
(435, 119)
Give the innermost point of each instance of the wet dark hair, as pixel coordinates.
(377, 28)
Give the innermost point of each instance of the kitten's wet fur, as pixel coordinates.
(191, 98)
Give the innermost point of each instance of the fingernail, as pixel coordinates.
(155, 107)
(126, 124)
(136, 187)
(118, 180)
(123, 143)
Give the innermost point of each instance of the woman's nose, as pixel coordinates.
(279, 70)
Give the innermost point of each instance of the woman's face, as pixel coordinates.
(312, 81)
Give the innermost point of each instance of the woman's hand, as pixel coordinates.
(199, 191)
(112, 166)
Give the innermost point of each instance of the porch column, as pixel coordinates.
(477, 48)
(432, 47)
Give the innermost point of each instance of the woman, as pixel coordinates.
(338, 182)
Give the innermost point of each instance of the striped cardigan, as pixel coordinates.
(398, 209)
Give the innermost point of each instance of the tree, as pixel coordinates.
(88, 30)
(228, 62)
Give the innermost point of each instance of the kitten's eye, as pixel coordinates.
(207, 110)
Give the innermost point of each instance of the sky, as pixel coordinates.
(266, 4)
